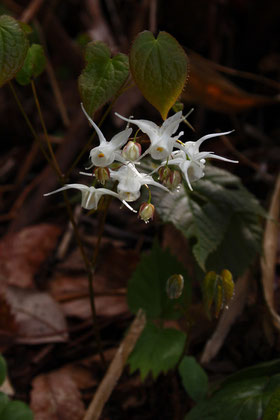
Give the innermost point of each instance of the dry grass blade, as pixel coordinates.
(116, 367)
(228, 317)
(268, 260)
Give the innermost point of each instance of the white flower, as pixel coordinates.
(108, 151)
(161, 141)
(131, 181)
(91, 195)
(191, 161)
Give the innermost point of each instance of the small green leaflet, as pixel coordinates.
(13, 48)
(157, 350)
(159, 67)
(147, 286)
(34, 65)
(15, 410)
(194, 378)
(102, 77)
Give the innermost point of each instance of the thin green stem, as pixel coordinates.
(57, 168)
(88, 265)
(150, 194)
(28, 122)
(100, 230)
(90, 271)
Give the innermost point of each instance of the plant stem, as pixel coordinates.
(88, 266)
(90, 271)
(57, 168)
(28, 122)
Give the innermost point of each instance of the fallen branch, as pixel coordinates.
(116, 368)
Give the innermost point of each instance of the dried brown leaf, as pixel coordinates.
(73, 294)
(55, 396)
(39, 318)
(209, 88)
(22, 253)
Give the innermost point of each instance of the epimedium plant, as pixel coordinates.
(209, 206)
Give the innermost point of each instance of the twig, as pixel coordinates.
(153, 16)
(28, 122)
(116, 368)
(31, 11)
(54, 84)
(270, 245)
(245, 160)
(56, 166)
(66, 239)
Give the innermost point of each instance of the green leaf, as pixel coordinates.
(4, 400)
(272, 411)
(194, 378)
(159, 67)
(157, 350)
(102, 77)
(245, 400)
(13, 48)
(261, 369)
(3, 369)
(147, 286)
(218, 216)
(34, 65)
(16, 410)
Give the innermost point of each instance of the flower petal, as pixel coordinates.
(209, 136)
(171, 124)
(97, 129)
(147, 127)
(80, 187)
(121, 138)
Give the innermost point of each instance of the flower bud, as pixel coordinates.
(102, 174)
(175, 286)
(146, 212)
(174, 180)
(170, 178)
(132, 151)
(164, 172)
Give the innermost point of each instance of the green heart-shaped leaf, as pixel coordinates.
(102, 77)
(13, 48)
(159, 67)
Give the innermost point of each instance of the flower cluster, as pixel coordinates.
(190, 163)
